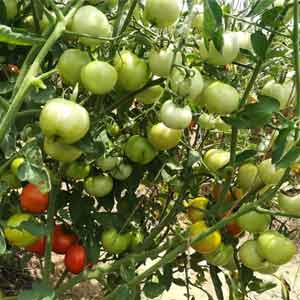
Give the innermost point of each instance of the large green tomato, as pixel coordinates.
(78, 170)
(164, 138)
(249, 255)
(65, 120)
(121, 171)
(11, 8)
(160, 61)
(150, 95)
(248, 177)
(207, 121)
(162, 13)
(276, 91)
(221, 257)
(254, 222)
(190, 87)
(89, 20)
(216, 159)
(97, 72)
(99, 186)
(19, 237)
(175, 116)
(107, 163)
(70, 64)
(268, 172)
(115, 243)
(61, 152)
(139, 150)
(133, 72)
(221, 98)
(229, 52)
(289, 204)
(275, 247)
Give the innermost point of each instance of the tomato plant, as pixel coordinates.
(62, 239)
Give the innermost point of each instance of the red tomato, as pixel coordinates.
(38, 247)
(32, 200)
(62, 240)
(233, 228)
(75, 259)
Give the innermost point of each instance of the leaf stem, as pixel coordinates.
(296, 55)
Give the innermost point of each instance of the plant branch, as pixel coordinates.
(296, 55)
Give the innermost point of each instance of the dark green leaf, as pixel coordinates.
(153, 289)
(39, 291)
(109, 220)
(291, 156)
(2, 242)
(6, 87)
(260, 7)
(270, 17)
(124, 293)
(8, 145)
(279, 144)
(260, 286)
(194, 156)
(179, 281)
(92, 148)
(167, 277)
(3, 17)
(259, 43)
(243, 156)
(33, 227)
(127, 272)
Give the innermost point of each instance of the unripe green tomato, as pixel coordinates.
(19, 237)
(89, 20)
(78, 170)
(163, 138)
(162, 13)
(268, 268)
(221, 98)
(268, 172)
(150, 95)
(137, 238)
(29, 23)
(99, 77)
(70, 64)
(198, 21)
(248, 177)
(289, 204)
(207, 121)
(10, 179)
(229, 52)
(15, 165)
(61, 152)
(65, 120)
(276, 91)
(113, 129)
(216, 159)
(115, 243)
(11, 8)
(275, 247)
(221, 257)
(107, 163)
(121, 171)
(99, 186)
(244, 40)
(133, 72)
(254, 222)
(160, 61)
(138, 149)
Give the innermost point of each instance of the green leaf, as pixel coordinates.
(260, 7)
(153, 289)
(270, 17)
(260, 286)
(213, 24)
(259, 43)
(194, 156)
(243, 156)
(167, 277)
(91, 147)
(39, 291)
(8, 144)
(18, 38)
(6, 87)
(254, 115)
(33, 227)
(290, 157)
(279, 144)
(127, 272)
(179, 281)
(124, 293)
(3, 17)
(2, 242)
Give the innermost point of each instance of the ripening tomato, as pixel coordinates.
(90, 20)
(232, 195)
(33, 200)
(99, 71)
(233, 228)
(99, 186)
(71, 63)
(38, 247)
(162, 13)
(195, 208)
(62, 239)
(114, 242)
(76, 259)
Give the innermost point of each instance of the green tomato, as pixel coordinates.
(250, 257)
(78, 170)
(216, 159)
(61, 152)
(65, 120)
(164, 138)
(43, 23)
(11, 8)
(113, 129)
(137, 238)
(99, 77)
(108, 163)
(139, 150)
(70, 64)
(254, 222)
(15, 165)
(150, 95)
(221, 98)
(207, 121)
(174, 116)
(162, 13)
(248, 177)
(99, 186)
(198, 21)
(275, 247)
(115, 243)
(268, 172)
(244, 40)
(121, 171)
(268, 268)
(160, 61)
(289, 204)
(89, 20)
(229, 52)
(221, 257)
(19, 237)
(133, 72)
(10, 179)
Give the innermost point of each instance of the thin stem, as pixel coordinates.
(296, 55)
(276, 213)
(71, 33)
(128, 17)
(121, 6)
(27, 113)
(61, 279)
(4, 104)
